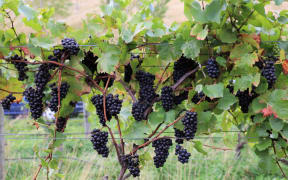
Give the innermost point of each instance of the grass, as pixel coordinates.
(78, 160)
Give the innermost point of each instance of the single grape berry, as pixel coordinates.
(61, 124)
(200, 97)
(212, 68)
(179, 135)
(132, 163)
(90, 61)
(183, 155)
(190, 124)
(180, 98)
(21, 67)
(245, 99)
(128, 73)
(138, 110)
(42, 77)
(34, 97)
(161, 151)
(167, 98)
(182, 66)
(64, 88)
(269, 72)
(99, 140)
(104, 78)
(7, 101)
(70, 46)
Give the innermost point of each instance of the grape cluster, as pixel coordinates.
(167, 98)
(182, 66)
(104, 78)
(132, 163)
(54, 95)
(181, 97)
(212, 68)
(128, 73)
(179, 135)
(269, 72)
(99, 140)
(113, 106)
(21, 67)
(200, 96)
(183, 155)
(90, 61)
(245, 98)
(190, 124)
(146, 94)
(58, 53)
(61, 124)
(161, 151)
(6, 102)
(70, 46)
(42, 77)
(34, 97)
(146, 83)
(138, 110)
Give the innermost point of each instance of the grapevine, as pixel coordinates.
(145, 78)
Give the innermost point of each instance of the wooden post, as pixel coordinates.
(86, 123)
(2, 144)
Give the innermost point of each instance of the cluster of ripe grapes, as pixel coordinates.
(146, 94)
(7, 101)
(113, 106)
(99, 140)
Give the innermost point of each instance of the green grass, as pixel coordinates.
(79, 161)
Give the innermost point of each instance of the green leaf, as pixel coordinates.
(137, 130)
(193, 10)
(214, 9)
(206, 121)
(54, 164)
(156, 117)
(221, 61)
(33, 23)
(170, 116)
(227, 101)
(279, 103)
(245, 82)
(191, 49)
(198, 32)
(199, 147)
(214, 91)
(44, 42)
(28, 12)
(276, 124)
(264, 144)
(108, 61)
(127, 35)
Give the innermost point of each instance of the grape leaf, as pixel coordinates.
(276, 124)
(108, 61)
(199, 147)
(279, 103)
(28, 12)
(214, 91)
(227, 101)
(191, 49)
(226, 35)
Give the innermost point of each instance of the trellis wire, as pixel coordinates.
(142, 138)
(85, 133)
(95, 45)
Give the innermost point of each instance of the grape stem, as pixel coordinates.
(162, 75)
(157, 136)
(65, 66)
(128, 90)
(277, 162)
(10, 92)
(120, 134)
(178, 83)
